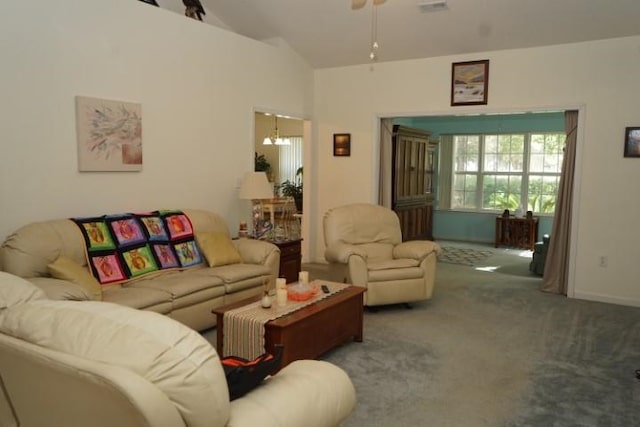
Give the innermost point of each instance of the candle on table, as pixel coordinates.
(281, 296)
(303, 277)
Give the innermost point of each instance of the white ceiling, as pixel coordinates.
(327, 33)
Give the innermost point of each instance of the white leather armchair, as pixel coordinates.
(100, 364)
(364, 247)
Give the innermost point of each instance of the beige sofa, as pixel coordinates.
(69, 363)
(186, 295)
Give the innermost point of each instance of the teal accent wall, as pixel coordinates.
(475, 226)
(480, 226)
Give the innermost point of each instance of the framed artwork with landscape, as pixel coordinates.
(469, 82)
(342, 144)
(632, 142)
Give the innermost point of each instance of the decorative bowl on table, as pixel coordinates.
(302, 291)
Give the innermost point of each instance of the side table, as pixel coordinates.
(290, 258)
(516, 232)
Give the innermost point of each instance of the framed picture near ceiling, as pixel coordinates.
(342, 144)
(109, 135)
(469, 82)
(632, 142)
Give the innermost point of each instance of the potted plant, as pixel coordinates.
(261, 164)
(294, 189)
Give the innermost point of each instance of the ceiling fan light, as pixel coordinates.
(358, 4)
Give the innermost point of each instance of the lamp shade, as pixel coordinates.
(255, 185)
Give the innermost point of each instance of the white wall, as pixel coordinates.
(598, 77)
(198, 85)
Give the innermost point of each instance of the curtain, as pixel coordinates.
(556, 269)
(384, 177)
(445, 174)
(290, 159)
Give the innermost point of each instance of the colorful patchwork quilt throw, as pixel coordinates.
(128, 246)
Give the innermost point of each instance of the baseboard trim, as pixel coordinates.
(590, 296)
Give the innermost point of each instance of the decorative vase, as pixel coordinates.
(266, 301)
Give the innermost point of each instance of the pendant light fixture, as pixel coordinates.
(373, 55)
(359, 4)
(274, 138)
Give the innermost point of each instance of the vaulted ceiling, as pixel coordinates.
(328, 33)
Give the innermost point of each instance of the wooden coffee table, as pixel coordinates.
(311, 331)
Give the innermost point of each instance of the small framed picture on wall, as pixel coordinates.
(342, 144)
(632, 142)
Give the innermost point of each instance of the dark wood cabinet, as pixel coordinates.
(290, 258)
(516, 232)
(414, 172)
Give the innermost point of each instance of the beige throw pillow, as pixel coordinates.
(67, 269)
(218, 248)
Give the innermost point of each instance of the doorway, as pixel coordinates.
(481, 217)
(473, 223)
(280, 162)
(283, 162)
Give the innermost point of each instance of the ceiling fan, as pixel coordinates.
(359, 4)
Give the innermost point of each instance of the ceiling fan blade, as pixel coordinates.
(378, 2)
(358, 4)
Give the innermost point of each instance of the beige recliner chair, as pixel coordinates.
(364, 247)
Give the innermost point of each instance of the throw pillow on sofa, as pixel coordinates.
(67, 269)
(218, 249)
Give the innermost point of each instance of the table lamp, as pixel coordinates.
(255, 186)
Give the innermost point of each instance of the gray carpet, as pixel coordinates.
(491, 350)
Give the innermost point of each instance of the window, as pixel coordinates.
(497, 172)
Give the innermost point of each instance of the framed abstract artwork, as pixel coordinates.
(109, 135)
(469, 82)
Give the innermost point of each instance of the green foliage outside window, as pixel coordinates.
(497, 172)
